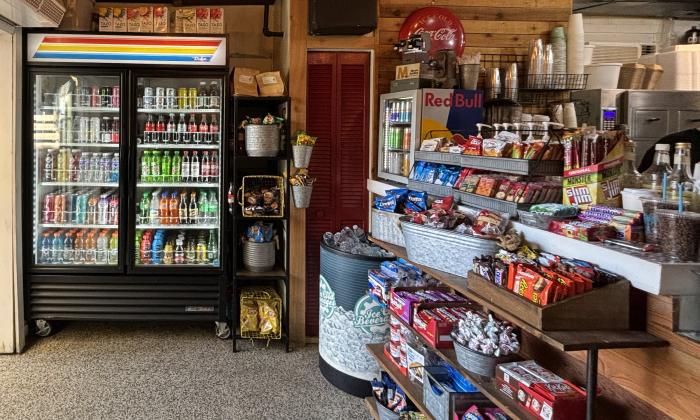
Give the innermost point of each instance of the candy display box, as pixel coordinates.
(606, 307)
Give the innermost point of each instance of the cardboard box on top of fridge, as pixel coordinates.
(105, 21)
(146, 13)
(133, 19)
(216, 20)
(161, 20)
(451, 112)
(186, 20)
(202, 15)
(119, 19)
(408, 71)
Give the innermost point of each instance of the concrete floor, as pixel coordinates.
(164, 371)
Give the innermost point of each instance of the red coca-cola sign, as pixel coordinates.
(445, 29)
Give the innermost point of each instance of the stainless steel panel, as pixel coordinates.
(650, 123)
(688, 120)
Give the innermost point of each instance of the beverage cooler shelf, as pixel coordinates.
(208, 226)
(79, 145)
(77, 225)
(82, 109)
(80, 184)
(188, 146)
(177, 111)
(177, 184)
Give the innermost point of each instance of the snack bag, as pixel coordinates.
(444, 203)
(489, 223)
(269, 323)
(473, 146)
(416, 202)
(249, 317)
(494, 148)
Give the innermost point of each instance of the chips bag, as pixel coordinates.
(269, 321)
(249, 317)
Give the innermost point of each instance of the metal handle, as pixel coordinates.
(653, 119)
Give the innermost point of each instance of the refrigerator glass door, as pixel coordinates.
(397, 134)
(76, 134)
(178, 170)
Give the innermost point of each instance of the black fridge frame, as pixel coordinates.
(123, 273)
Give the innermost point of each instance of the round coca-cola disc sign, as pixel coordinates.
(446, 31)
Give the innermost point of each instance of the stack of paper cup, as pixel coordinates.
(558, 38)
(570, 120)
(574, 50)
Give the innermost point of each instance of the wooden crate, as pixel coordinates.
(605, 308)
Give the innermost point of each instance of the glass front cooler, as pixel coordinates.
(398, 130)
(76, 136)
(178, 170)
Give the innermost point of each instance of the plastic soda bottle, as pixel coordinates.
(164, 209)
(176, 166)
(185, 172)
(205, 167)
(174, 209)
(179, 257)
(146, 166)
(212, 249)
(182, 211)
(165, 164)
(155, 167)
(154, 210)
(194, 167)
(193, 215)
(113, 248)
(203, 207)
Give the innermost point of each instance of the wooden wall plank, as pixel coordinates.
(388, 39)
(298, 21)
(483, 26)
(489, 12)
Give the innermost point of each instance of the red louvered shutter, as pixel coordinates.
(337, 111)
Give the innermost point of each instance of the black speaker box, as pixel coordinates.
(342, 17)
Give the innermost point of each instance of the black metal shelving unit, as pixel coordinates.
(241, 165)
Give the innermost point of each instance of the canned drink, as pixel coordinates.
(106, 96)
(148, 97)
(192, 98)
(160, 97)
(95, 97)
(81, 208)
(85, 99)
(116, 96)
(48, 213)
(115, 129)
(106, 130)
(182, 98)
(170, 98)
(71, 207)
(59, 206)
(95, 133)
(83, 129)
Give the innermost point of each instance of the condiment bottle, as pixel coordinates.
(681, 176)
(653, 176)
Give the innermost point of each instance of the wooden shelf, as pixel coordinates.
(486, 386)
(277, 272)
(560, 340)
(413, 391)
(371, 407)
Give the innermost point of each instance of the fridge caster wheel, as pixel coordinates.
(43, 328)
(223, 331)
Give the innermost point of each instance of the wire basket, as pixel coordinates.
(262, 196)
(254, 295)
(554, 81)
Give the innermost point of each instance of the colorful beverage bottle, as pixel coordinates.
(194, 167)
(144, 209)
(183, 210)
(146, 166)
(170, 129)
(154, 209)
(181, 129)
(148, 130)
(193, 211)
(165, 168)
(176, 167)
(213, 130)
(155, 167)
(174, 209)
(164, 209)
(214, 167)
(160, 129)
(203, 207)
(113, 254)
(179, 257)
(203, 129)
(185, 171)
(205, 167)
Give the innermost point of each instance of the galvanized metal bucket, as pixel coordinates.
(478, 363)
(302, 195)
(426, 246)
(385, 413)
(302, 155)
(262, 140)
(259, 257)
(386, 227)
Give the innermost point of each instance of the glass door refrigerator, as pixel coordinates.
(123, 143)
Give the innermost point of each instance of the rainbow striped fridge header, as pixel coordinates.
(126, 49)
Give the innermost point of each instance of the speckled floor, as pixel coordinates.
(162, 371)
